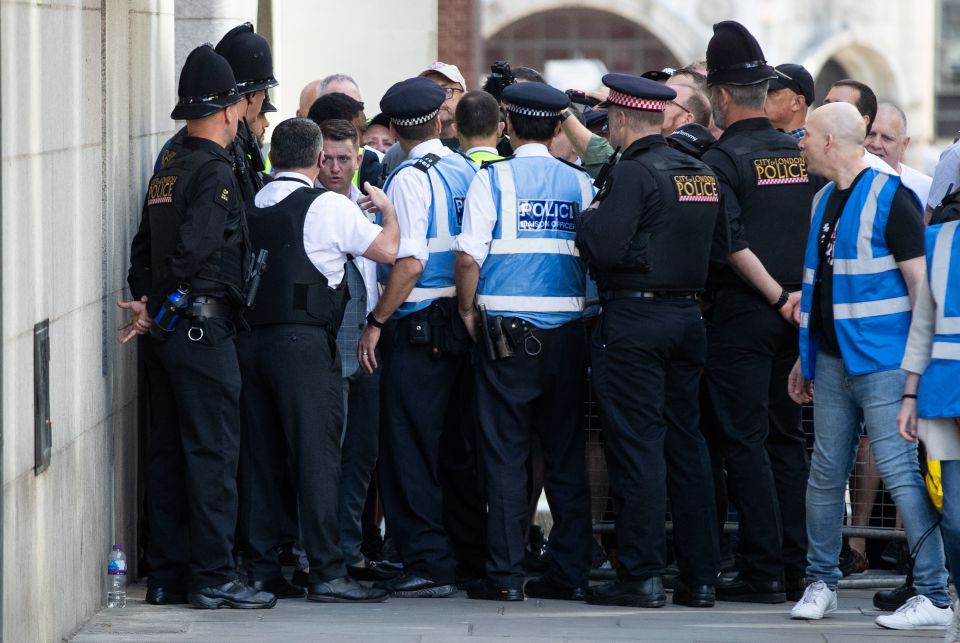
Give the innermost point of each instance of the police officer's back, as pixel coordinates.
(647, 239)
(187, 270)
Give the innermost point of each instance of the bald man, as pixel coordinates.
(308, 94)
(888, 139)
(863, 264)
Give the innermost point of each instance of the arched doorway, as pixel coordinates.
(831, 72)
(560, 34)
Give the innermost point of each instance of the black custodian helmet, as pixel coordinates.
(734, 57)
(249, 55)
(206, 85)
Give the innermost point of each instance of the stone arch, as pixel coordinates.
(860, 61)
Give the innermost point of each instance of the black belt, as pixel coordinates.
(609, 295)
(204, 307)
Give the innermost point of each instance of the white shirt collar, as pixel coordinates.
(294, 175)
(433, 146)
(531, 149)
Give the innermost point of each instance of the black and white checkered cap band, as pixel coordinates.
(417, 120)
(535, 113)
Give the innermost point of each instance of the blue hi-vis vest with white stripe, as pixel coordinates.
(939, 394)
(533, 270)
(449, 180)
(871, 305)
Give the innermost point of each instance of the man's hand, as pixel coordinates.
(367, 347)
(374, 199)
(469, 318)
(907, 419)
(799, 390)
(138, 324)
(790, 311)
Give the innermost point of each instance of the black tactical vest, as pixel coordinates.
(775, 194)
(222, 274)
(292, 290)
(247, 163)
(672, 253)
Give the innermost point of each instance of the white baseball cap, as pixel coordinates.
(450, 72)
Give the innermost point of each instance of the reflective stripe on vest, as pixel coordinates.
(533, 270)
(871, 306)
(449, 180)
(939, 393)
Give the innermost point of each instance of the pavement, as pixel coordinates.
(458, 619)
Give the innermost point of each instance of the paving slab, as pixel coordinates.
(458, 619)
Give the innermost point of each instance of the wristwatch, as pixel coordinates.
(565, 114)
(780, 303)
(373, 321)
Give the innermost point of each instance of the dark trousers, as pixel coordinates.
(518, 397)
(361, 440)
(751, 350)
(418, 391)
(647, 358)
(293, 416)
(192, 455)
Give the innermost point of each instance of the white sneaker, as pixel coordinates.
(818, 600)
(918, 613)
(953, 630)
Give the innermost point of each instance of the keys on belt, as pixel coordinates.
(610, 295)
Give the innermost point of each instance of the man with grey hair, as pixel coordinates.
(292, 391)
(863, 265)
(765, 194)
(888, 139)
(334, 83)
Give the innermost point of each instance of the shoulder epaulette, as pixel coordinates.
(425, 162)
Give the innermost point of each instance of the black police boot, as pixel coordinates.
(485, 589)
(794, 587)
(276, 585)
(166, 596)
(232, 594)
(636, 593)
(693, 596)
(409, 585)
(345, 590)
(750, 591)
(890, 600)
(549, 587)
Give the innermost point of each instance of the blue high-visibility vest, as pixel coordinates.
(449, 179)
(533, 270)
(939, 393)
(871, 304)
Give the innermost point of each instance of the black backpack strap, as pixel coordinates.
(425, 162)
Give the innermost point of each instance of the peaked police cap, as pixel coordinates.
(206, 85)
(413, 101)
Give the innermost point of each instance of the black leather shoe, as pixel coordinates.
(696, 596)
(278, 586)
(485, 589)
(345, 590)
(409, 585)
(749, 591)
(637, 593)
(547, 587)
(890, 600)
(372, 570)
(300, 578)
(166, 596)
(232, 594)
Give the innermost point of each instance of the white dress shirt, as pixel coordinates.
(367, 267)
(917, 181)
(333, 228)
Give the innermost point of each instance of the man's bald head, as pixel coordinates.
(309, 93)
(842, 121)
(833, 142)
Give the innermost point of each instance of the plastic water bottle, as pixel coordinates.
(117, 578)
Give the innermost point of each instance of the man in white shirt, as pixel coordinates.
(888, 139)
(292, 398)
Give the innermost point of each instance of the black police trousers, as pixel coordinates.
(423, 409)
(292, 407)
(518, 396)
(647, 358)
(751, 350)
(192, 452)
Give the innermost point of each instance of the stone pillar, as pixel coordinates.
(200, 21)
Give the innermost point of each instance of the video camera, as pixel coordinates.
(500, 78)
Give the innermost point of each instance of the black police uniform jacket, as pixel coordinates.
(765, 194)
(192, 230)
(652, 224)
(292, 290)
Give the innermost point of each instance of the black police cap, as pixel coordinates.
(795, 78)
(734, 57)
(249, 55)
(413, 101)
(206, 85)
(692, 138)
(636, 92)
(536, 100)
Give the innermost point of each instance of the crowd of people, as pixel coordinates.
(405, 310)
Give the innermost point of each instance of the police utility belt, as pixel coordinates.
(438, 326)
(610, 295)
(503, 336)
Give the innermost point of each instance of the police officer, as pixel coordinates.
(752, 344)
(424, 343)
(648, 238)
(479, 126)
(186, 275)
(292, 389)
(516, 256)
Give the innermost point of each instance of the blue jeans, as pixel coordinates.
(950, 525)
(840, 401)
